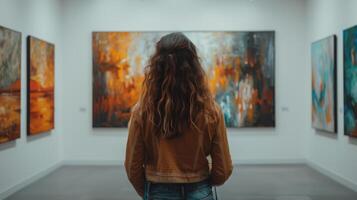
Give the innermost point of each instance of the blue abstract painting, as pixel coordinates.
(323, 61)
(350, 80)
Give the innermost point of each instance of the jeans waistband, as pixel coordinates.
(183, 188)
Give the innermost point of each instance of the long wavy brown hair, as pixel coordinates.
(175, 89)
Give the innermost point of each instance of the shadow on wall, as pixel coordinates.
(7, 145)
(326, 134)
(352, 141)
(257, 131)
(245, 131)
(37, 137)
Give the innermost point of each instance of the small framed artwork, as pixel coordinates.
(40, 86)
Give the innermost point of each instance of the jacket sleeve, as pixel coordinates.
(221, 159)
(134, 157)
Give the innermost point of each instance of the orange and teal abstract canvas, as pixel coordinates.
(240, 67)
(350, 80)
(324, 97)
(10, 84)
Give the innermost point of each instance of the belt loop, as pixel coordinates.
(183, 192)
(148, 190)
(216, 195)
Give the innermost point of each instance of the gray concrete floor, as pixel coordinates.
(248, 182)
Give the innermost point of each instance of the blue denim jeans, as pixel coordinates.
(173, 191)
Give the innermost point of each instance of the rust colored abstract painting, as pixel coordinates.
(10, 84)
(240, 67)
(40, 87)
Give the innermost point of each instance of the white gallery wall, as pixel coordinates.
(83, 144)
(30, 156)
(334, 154)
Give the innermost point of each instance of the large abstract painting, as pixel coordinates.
(40, 87)
(350, 80)
(10, 84)
(240, 67)
(324, 98)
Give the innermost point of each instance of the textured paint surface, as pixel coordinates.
(350, 80)
(10, 84)
(41, 86)
(240, 67)
(323, 62)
